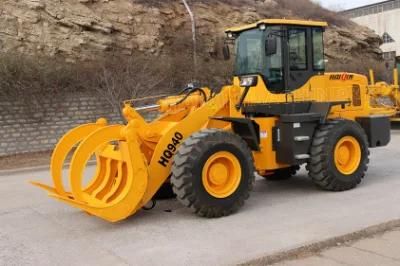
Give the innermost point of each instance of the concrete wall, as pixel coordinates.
(386, 21)
(24, 130)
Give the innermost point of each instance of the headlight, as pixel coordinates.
(248, 81)
(231, 35)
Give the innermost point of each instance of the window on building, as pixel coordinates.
(387, 38)
(373, 9)
(389, 56)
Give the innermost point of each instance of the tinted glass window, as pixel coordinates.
(250, 53)
(297, 49)
(251, 57)
(274, 62)
(318, 49)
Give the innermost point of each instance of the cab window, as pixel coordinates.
(249, 57)
(318, 49)
(297, 49)
(274, 62)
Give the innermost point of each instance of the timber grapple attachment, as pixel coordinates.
(132, 161)
(116, 189)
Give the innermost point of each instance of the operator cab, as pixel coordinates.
(285, 53)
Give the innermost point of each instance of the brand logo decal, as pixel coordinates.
(342, 77)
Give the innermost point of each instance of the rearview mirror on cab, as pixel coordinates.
(271, 46)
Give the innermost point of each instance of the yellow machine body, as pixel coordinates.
(134, 160)
(386, 95)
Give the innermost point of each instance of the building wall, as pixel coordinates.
(387, 21)
(382, 17)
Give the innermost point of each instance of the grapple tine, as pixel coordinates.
(99, 176)
(45, 187)
(111, 172)
(120, 184)
(116, 183)
(72, 202)
(64, 146)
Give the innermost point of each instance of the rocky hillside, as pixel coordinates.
(85, 28)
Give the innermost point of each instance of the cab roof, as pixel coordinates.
(309, 23)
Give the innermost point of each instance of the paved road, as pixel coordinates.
(35, 230)
(374, 251)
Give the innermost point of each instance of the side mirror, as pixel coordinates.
(226, 52)
(271, 46)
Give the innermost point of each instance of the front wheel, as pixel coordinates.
(213, 173)
(339, 155)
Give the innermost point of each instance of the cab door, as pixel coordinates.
(304, 55)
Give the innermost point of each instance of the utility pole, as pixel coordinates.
(193, 36)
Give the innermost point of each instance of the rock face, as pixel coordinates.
(85, 29)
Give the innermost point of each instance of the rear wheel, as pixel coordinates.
(213, 173)
(283, 174)
(339, 155)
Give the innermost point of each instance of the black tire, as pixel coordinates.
(188, 166)
(283, 174)
(165, 192)
(322, 168)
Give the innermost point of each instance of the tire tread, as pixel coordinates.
(318, 165)
(187, 157)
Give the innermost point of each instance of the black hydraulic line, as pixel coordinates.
(202, 92)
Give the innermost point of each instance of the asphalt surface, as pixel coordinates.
(36, 230)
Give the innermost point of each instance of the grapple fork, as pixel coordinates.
(120, 181)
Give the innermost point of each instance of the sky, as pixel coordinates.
(345, 4)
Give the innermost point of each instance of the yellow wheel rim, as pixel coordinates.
(221, 174)
(347, 155)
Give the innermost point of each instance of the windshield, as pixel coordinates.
(249, 52)
(252, 57)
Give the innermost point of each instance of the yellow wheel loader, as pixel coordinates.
(282, 111)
